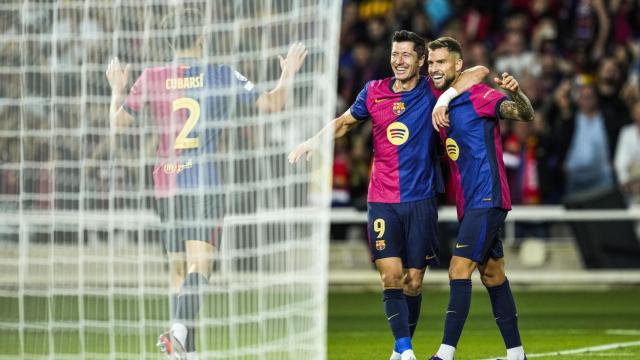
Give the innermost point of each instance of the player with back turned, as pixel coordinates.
(471, 136)
(188, 99)
(402, 214)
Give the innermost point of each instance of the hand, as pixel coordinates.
(306, 147)
(439, 117)
(562, 95)
(295, 58)
(117, 75)
(507, 82)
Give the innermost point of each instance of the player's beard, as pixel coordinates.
(448, 80)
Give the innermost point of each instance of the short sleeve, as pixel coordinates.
(359, 108)
(134, 102)
(486, 100)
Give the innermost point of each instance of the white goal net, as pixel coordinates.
(84, 271)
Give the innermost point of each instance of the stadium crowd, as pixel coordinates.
(577, 60)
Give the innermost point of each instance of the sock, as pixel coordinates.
(174, 305)
(413, 304)
(459, 304)
(445, 352)
(504, 310)
(189, 304)
(516, 353)
(395, 306)
(190, 343)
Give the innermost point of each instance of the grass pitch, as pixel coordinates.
(550, 322)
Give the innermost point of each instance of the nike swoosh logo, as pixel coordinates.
(379, 100)
(450, 311)
(392, 316)
(430, 257)
(458, 246)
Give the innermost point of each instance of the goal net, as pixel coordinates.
(84, 271)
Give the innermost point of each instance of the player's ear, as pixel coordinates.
(421, 60)
(459, 65)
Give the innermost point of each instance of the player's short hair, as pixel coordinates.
(448, 43)
(419, 44)
(183, 28)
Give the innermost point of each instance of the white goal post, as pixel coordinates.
(83, 271)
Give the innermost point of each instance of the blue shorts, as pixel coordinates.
(405, 230)
(478, 238)
(190, 217)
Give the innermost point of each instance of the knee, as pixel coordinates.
(392, 280)
(413, 286)
(491, 279)
(460, 271)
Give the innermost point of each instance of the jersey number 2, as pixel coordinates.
(182, 141)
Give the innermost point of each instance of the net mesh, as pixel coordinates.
(84, 271)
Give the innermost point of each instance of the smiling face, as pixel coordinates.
(404, 61)
(444, 67)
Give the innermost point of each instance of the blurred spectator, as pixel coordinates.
(545, 43)
(476, 54)
(514, 57)
(341, 195)
(627, 159)
(520, 160)
(609, 81)
(585, 145)
(438, 11)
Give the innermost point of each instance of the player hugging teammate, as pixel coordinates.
(402, 212)
(471, 136)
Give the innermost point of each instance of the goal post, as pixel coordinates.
(84, 272)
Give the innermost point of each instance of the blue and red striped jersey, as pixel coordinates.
(474, 147)
(405, 165)
(187, 102)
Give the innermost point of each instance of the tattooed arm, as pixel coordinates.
(519, 107)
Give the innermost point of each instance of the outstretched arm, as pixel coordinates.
(118, 76)
(339, 127)
(467, 79)
(274, 100)
(519, 107)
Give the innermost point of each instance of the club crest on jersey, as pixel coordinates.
(452, 149)
(380, 245)
(398, 107)
(176, 168)
(397, 133)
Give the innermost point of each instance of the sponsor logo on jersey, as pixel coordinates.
(452, 149)
(380, 245)
(184, 83)
(176, 168)
(398, 107)
(397, 133)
